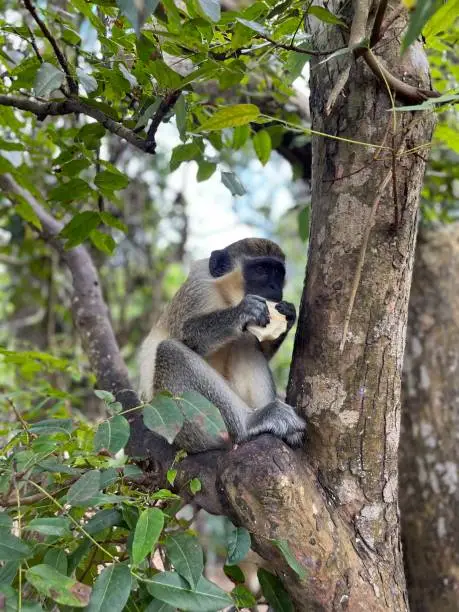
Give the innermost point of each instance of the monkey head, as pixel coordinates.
(256, 263)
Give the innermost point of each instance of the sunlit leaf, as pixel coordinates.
(79, 228)
(423, 11)
(325, 15)
(231, 116)
(262, 145)
(210, 9)
(283, 546)
(87, 80)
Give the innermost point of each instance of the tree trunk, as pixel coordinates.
(346, 372)
(429, 454)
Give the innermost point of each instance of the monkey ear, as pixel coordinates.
(219, 263)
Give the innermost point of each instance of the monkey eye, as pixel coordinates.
(260, 270)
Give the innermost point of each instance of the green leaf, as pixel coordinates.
(137, 12)
(114, 222)
(6, 145)
(419, 17)
(240, 136)
(197, 409)
(185, 554)
(90, 134)
(112, 434)
(8, 573)
(70, 36)
(238, 545)
(303, 223)
(6, 522)
(48, 79)
(164, 417)
(234, 573)
(25, 210)
(75, 189)
(210, 9)
(56, 525)
(102, 241)
(283, 546)
(242, 597)
(57, 586)
(442, 19)
(195, 485)
(74, 167)
(180, 116)
(79, 228)
(56, 557)
(262, 145)
(110, 181)
(111, 590)
(84, 488)
(50, 426)
(174, 590)
(159, 606)
(274, 591)
(147, 532)
(87, 80)
(12, 548)
(254, 25)
(231, 116)
(171, 476)
(105, 396)
(324, 15)
(231, 182)
(205, 170)
(184, 152)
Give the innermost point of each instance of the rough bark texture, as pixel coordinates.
(429, 452)
(336, 505)
(351, 398)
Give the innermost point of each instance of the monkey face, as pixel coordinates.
(264, 276)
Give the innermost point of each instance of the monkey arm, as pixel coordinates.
(204, 334)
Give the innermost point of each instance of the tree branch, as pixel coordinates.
(76, 105)
(72, 83)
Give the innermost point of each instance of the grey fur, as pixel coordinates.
(197, 333)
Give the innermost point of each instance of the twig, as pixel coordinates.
(356, 38)
(33, 42)
(296, 49)
(25, 427)
(402, 90)
(75, 105)
(73, 85)
(166, 105)
(376, 30)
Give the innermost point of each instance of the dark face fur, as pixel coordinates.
(264, 276)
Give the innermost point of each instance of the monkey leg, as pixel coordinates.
(179, 369)
(279, 419)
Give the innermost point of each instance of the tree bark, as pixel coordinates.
(348, 354)
(429, 453)
(335, 504)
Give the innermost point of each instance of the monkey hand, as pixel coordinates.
(279, 419)
(288, 310)
(253, 310)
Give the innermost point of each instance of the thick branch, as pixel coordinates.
(67, 107)
(73, 85)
